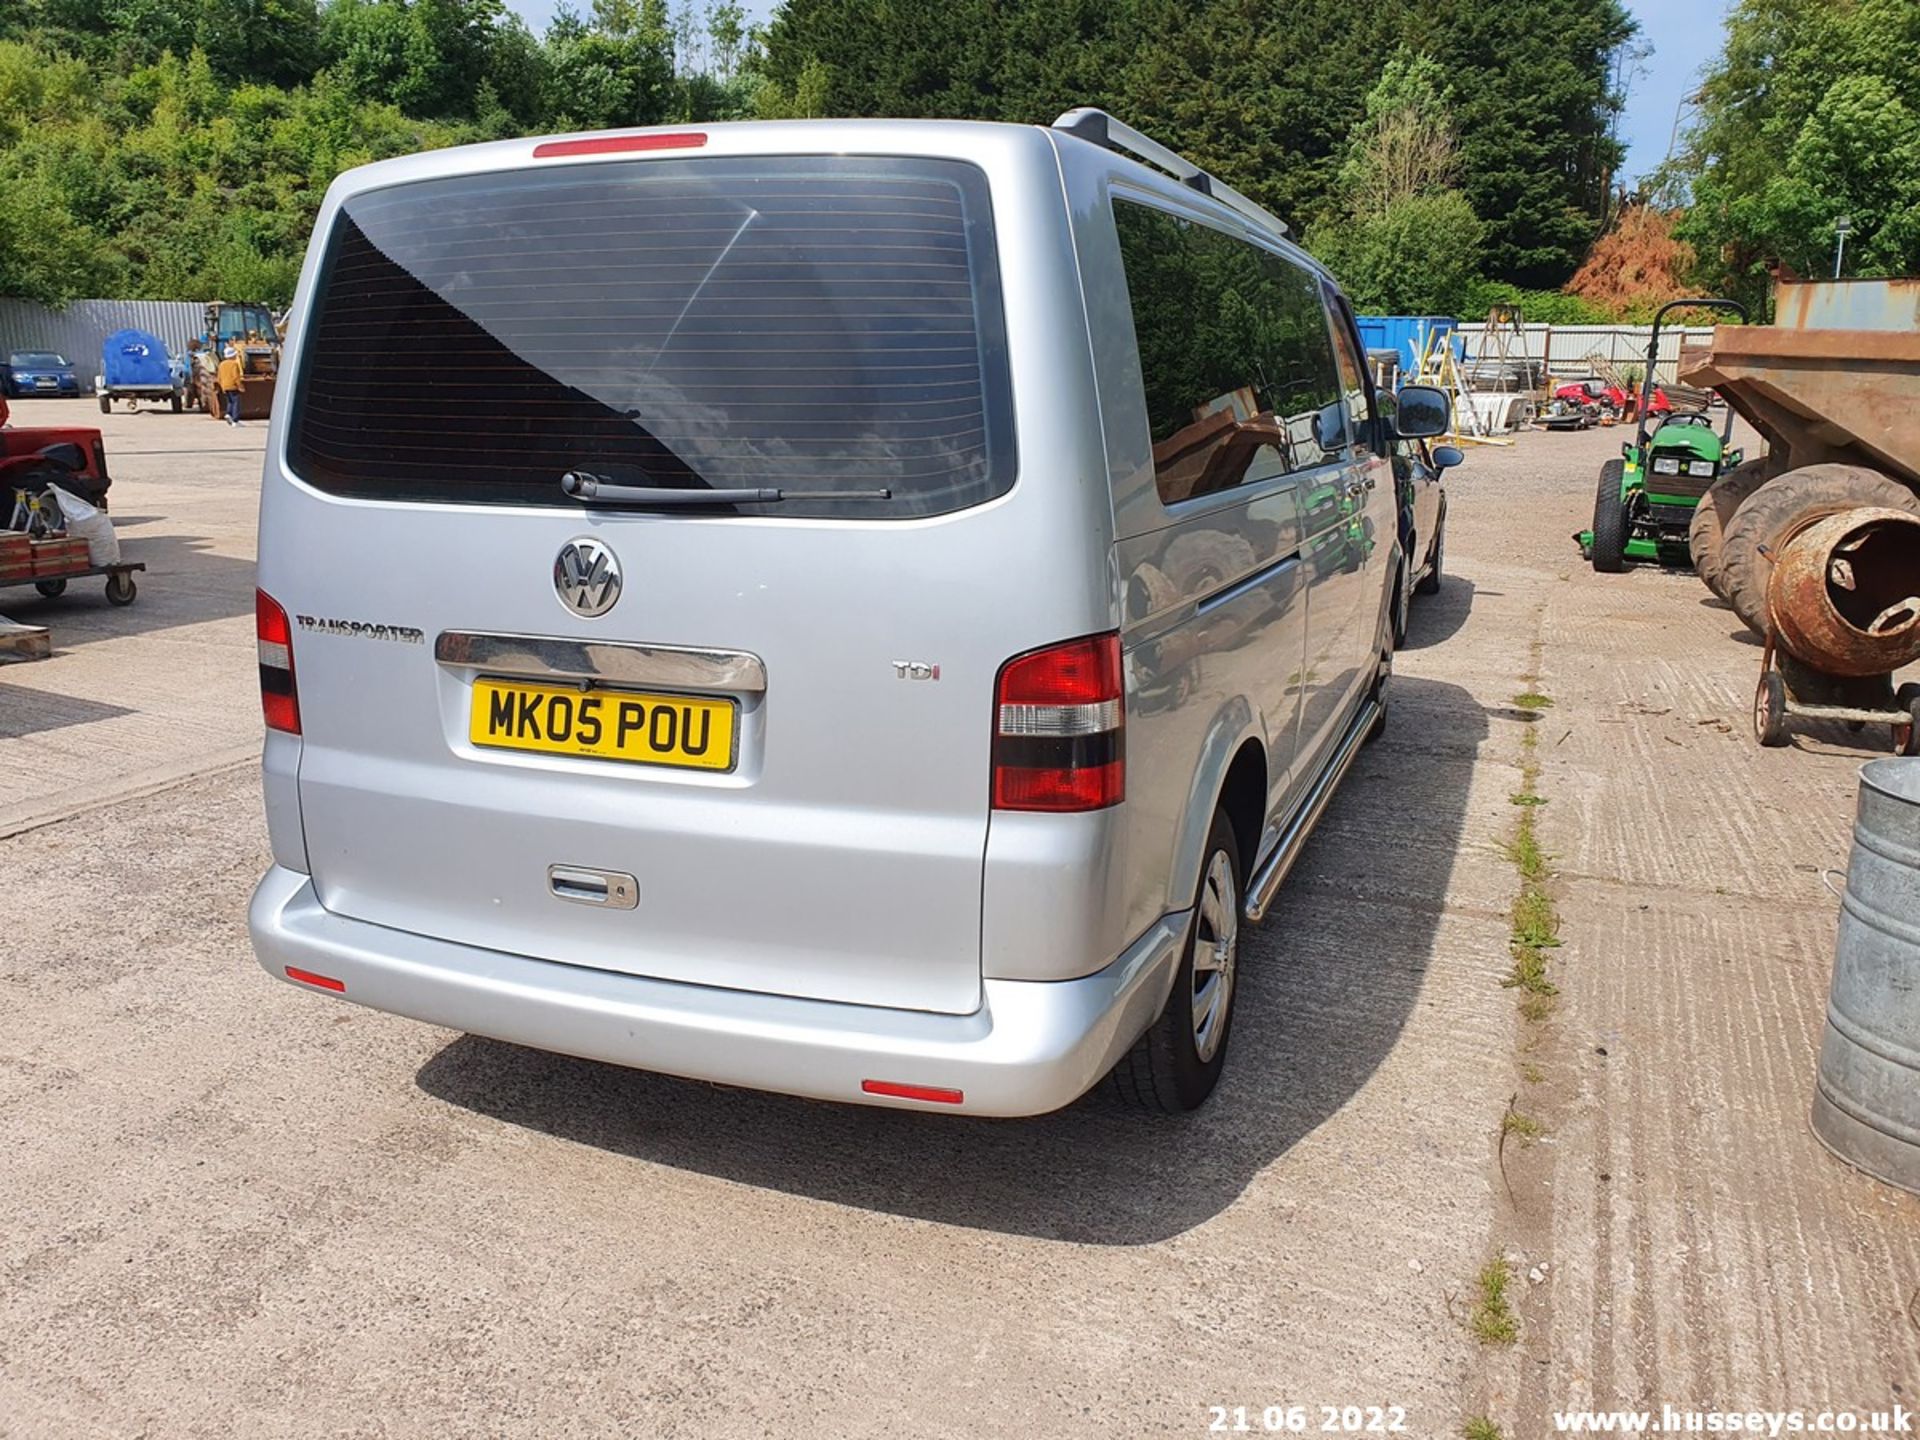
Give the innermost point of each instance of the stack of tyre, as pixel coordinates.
(1754, 509)
(1745, 521)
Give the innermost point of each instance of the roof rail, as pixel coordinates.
(1108, 133)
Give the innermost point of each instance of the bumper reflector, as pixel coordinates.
(931, 1093)
(324, 982)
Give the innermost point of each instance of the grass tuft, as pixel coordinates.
(1493, 1321)
(1525, 1126)
(1536, 923)
(1533, 700)
(1481, 1428)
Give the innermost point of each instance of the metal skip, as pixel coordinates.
(1866, 1104)
(1845, 593)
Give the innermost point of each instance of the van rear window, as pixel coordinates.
(805, 324)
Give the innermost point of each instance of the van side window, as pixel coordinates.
(1236, 361)
(1353, 382)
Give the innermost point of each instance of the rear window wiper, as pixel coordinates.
(598, 490)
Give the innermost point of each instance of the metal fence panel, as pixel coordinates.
(1570, 349)
(79, 330)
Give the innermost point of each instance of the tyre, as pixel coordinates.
(52, 589)
(120, 588)
(1402, 605)
(1906, 734)
(1430, 582)
(178, 404)
(1783, 507)
(1610, 521)
(1175, 1065)
(1770, 711)
(1715, 512)
(106, 403)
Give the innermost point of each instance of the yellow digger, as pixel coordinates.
(252, 333)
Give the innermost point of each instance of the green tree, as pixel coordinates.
(1421, 257)
(274, 42)
(1264, 93)
(1535, 106)
(1401, 238)
(1809, 113)
(614, 70)
(430, 57)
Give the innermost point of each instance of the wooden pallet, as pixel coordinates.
(23, 642)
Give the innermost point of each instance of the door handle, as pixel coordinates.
(609, 889)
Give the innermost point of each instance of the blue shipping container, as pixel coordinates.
(1404, 334)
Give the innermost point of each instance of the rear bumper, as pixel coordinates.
(1032, 1047)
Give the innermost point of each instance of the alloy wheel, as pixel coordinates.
(1215, 950)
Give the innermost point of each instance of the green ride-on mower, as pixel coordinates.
(1647, 497)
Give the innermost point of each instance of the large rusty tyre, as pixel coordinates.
(1781, 509)
(1715, 512)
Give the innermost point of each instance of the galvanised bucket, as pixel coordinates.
(1866, 1106)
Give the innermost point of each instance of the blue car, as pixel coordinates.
(40, 372)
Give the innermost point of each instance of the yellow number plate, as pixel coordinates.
(603, 724)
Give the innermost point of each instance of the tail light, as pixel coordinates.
(279, 700)
(1060, 728)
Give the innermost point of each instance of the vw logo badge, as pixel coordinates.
(587, 577)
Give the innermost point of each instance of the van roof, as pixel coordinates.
(953, 138)
(725, 137)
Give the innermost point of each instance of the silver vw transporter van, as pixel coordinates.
(863, 609)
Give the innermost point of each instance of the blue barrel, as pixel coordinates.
(1866, 1104)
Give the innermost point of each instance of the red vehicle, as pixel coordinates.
(1605, 395)
(33, 457)
(1578, 404)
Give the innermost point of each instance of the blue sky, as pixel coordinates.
(1685, 34)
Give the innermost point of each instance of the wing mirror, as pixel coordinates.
(1424, 411)
(1330, 426)
(1445, 457)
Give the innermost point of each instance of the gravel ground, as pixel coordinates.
(233, 1208)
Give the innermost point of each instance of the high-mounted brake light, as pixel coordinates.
(1060, 725)
(617, 144)
(279, 700)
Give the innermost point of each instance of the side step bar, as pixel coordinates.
(1272, 871)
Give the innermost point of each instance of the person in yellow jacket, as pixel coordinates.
(231, 378)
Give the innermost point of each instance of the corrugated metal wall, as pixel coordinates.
(1567, 348)
(78, 331)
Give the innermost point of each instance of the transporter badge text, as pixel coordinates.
(361, 629)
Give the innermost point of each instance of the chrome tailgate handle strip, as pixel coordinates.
(543, 657)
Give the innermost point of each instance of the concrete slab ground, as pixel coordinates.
(167, 687)
(237, 1209)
